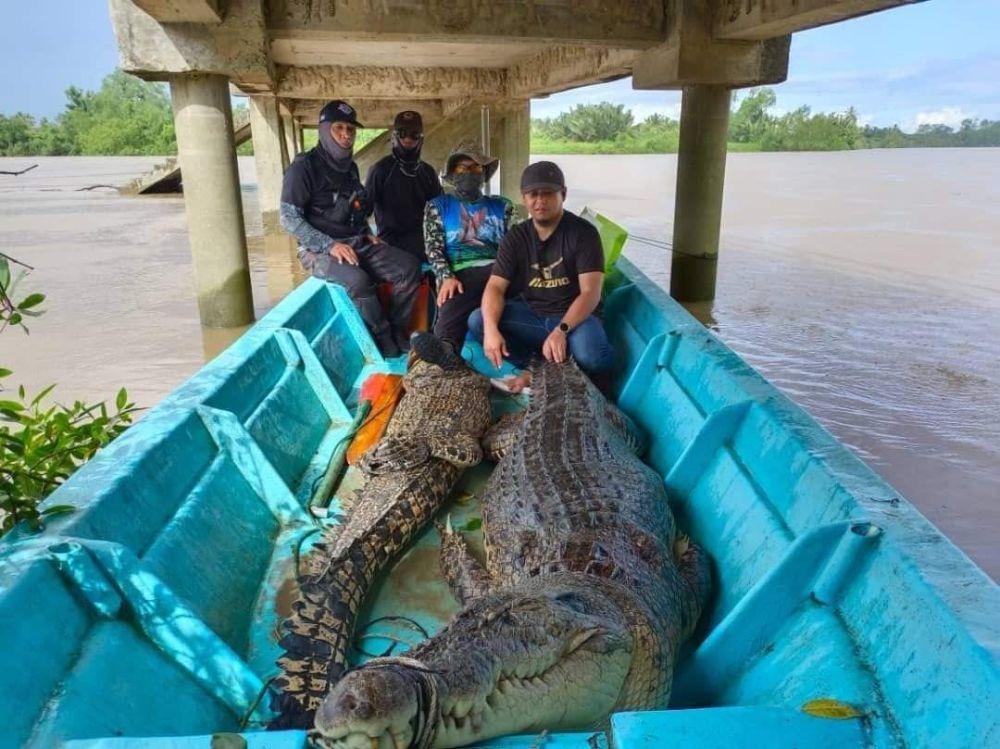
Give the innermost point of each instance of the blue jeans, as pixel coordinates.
(525, 331)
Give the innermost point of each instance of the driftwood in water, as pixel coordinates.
(16, 174)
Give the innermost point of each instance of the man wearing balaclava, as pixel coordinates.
(325, 206)
(462, 231)
(400, 184)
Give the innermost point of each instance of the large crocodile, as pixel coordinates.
(432, 436)
(581, 608)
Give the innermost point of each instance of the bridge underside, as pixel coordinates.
(450, 58)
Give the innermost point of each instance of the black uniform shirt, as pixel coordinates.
(323, 193)
(399, 192)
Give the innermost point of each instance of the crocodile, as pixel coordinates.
(432, 436)
(586, 595)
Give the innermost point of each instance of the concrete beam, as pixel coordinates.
(701, 174)
(183, 11)
(204, 123)
(514, 147)
(766, 19)
(236, 48)
(692, 57)
(561, 68)
(462, 124)
(269, 155)
(343, 82)
(373, 112)
(632, 25)
(290, 131)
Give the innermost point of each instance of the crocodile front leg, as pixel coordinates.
(394, 454)
(465, 576)
(461, 450)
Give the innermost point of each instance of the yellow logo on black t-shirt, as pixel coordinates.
(544, 278)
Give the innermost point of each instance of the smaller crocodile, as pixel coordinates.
(432, 436)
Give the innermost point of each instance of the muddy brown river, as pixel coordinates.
(865, 285)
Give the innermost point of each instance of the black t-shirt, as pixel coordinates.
(547, 273)
(399, 193)
(327, 197)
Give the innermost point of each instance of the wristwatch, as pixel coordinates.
(564, 327)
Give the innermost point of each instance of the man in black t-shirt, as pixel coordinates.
(400, 185)
(556, 263)
(325, 206)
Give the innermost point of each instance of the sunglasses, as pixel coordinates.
(473, 168)
(409, 134)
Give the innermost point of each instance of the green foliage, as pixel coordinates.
(608, 128)
(40, 444)
(750, 120)
(655, 134)
(126, 116)
(588, 123)
(803, 131)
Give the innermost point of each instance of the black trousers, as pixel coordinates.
(453, 316)
(377, 263)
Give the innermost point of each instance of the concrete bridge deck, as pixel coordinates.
(447, 59)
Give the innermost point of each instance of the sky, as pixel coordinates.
(931, 62)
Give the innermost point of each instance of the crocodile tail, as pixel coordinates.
(318, 634)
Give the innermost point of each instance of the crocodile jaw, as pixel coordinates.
(507, 664)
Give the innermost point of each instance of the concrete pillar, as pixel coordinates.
(289, 130)
(701, 172)
(514, 147)
(203, 119)
(268, 155)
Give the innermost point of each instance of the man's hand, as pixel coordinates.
(495, 347)
(449, 288)
(375, 239)
(344, 253)
(554, 348)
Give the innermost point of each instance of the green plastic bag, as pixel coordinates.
(613, 236)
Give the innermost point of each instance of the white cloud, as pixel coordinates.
(950, 116)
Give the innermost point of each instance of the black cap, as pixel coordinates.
(542, 175)
(409, 120)
(339, 111)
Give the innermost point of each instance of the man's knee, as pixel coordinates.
(475, 324)
(357, 283)
(591, 348)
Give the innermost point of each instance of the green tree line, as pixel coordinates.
(128, 116)
(125, 116)
(610, 128)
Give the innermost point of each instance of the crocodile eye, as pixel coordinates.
(573, 601)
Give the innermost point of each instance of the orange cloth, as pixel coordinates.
(383, 391)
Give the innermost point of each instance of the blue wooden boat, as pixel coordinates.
(146, 618)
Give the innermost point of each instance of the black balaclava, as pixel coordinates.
(340, 156)
(410, 157)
